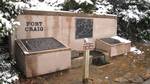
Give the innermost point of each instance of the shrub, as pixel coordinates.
(8, 12)
(85, 6)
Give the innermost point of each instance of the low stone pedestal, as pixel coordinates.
(40, 56)
(113, 46)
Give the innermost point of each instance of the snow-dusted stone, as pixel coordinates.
(136, 51)
(84, 1)
(121, 39)
(114, 45)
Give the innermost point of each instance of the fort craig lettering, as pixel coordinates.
(33, 26)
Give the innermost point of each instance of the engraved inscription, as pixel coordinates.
(33, 26)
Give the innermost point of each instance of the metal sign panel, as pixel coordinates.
(88, 46)
(84, 28)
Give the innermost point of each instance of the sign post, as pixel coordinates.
(87, 46)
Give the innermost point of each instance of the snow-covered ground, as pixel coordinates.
(136, 50)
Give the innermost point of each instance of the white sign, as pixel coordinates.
(88, 45)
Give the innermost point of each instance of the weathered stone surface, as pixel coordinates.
(74, 54)
(146, 82)
(39, 44)
(136, 79)
(111, 40)
(97, 81)
(78, 62)
(121, 80)
(146, 75)
(130, 78)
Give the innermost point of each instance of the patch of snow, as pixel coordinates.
(0, 25)
(121, 39)
(19, 5)
(7, 14)
(106, 77)
(45, 8)
(54, 5)
(26, 52)
(13, 78)
(136, 51)
(6, 24)
(84, 1)
(147, 1)
(16, 23)
(7, 72)
(132, 13)
(103, 7)
(77, 11)
(46, 5)
(3, 56)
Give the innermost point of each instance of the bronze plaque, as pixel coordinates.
(84, 28)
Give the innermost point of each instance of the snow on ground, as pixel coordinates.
(136, 51)
(7, 72)
(132, 49)
(121, 39)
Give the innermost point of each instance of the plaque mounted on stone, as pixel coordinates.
(84, 28)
